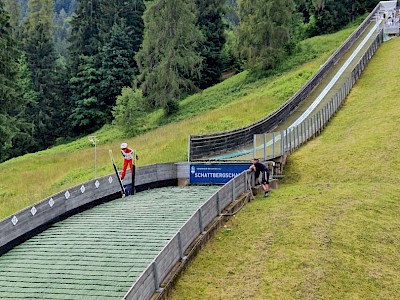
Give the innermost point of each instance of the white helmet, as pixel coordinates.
(124, 145)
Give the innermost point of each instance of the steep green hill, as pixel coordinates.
(236, 102)
(332, 229)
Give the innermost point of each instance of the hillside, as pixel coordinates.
(331, 231)
(235, 102)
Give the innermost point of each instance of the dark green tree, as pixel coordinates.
(67, 5)
(365, 6)
(84, 63)
(61, 26)
(17, 96)
(89, 112)
(331, 15)
(8, 87)
(24, 141)
(231, 13)
(106, 35)
(13, 9)
(41, 59)
(120, 44)
(116, 71)
(326, 16)
(168, 60)
(84, 38)
(130, 13)
(210, 21)
(230, 57)
(129, 106)
(264, 31)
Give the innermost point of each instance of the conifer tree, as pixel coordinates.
(84, 38)
(116, 71)
(17, 97)
(89, 113)
(130, 13)
(120, 44)
(106, 52)
(14, 11)
(8, 87)
(24, 141)
(168, 60)
(231, 16)
(264, 30)
(61, 32)
(95, 89)
(39, 47)
(210, 21)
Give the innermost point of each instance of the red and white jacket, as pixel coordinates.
(127, 153)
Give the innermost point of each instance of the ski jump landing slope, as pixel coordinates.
(99, 253)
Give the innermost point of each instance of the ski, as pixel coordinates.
(134, 171)
(116, 172)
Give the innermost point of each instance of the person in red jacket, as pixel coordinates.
(127, 153)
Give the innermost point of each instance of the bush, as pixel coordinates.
(128, 112)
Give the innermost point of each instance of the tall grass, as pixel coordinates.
(331, 231)
(235, 102)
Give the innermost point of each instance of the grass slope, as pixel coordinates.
(332, 230)
(235, 102)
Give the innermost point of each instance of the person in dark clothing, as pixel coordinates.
(262, 169)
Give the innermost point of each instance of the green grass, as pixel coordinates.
(236, 102)
(332, 229)
(245, 83)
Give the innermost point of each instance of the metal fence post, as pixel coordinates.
(218, 205)
(273, 144)
(155, 274)
(254, 144)
(180, 244)
(201, 220)
(287, 146)
(337, 104)
(314, 125)
(245, 182)
(233, 190)
(189, 143)
(307, 129)
(319, 122)
(265, 145)
(301, 133)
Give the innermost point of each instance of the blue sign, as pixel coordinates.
(215, 174)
